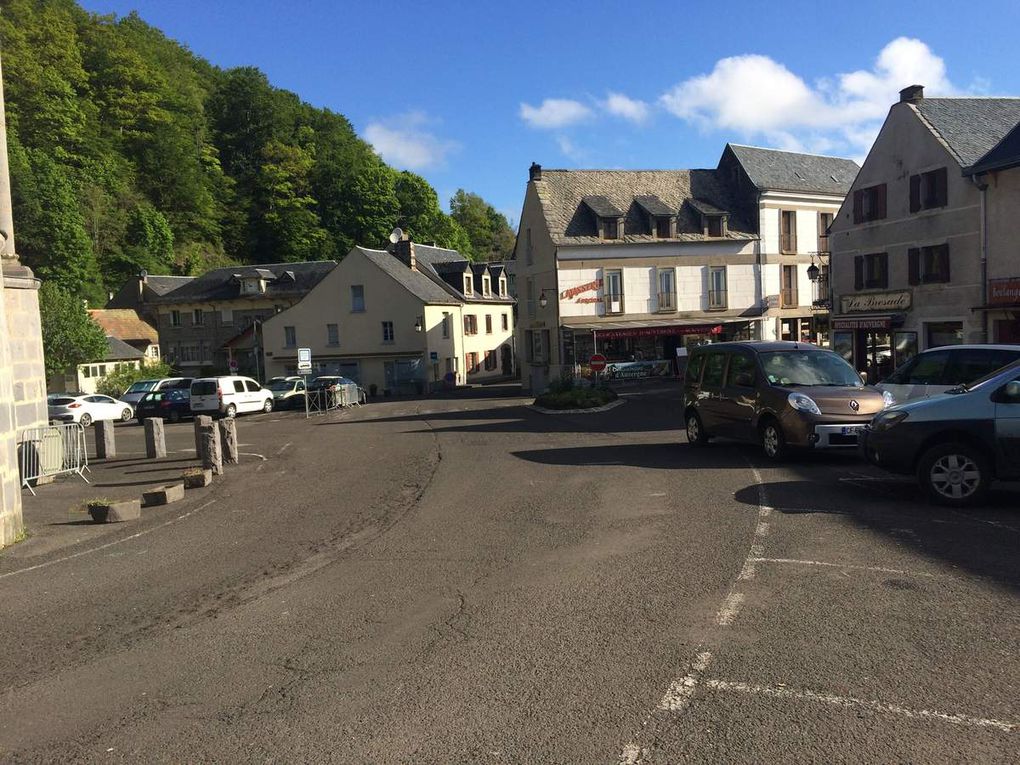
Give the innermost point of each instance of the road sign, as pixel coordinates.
(233, 365)
(597, 362)
(304, 359)
(434, 356)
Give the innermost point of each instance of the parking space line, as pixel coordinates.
(680, 691)
(851, 566)
(729, 609)
(849, 702)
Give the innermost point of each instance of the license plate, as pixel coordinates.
(851, 430)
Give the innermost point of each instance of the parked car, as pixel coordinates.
(138, 389)
(938, 369)
(229, 395)
(288, 392)
(324, 382)
(779, 394)
(955, 443)
(173, 404)
(87, 409)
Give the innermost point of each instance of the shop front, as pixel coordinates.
(1003, 310)
(869, 332)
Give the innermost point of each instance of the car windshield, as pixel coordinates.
(796, 368)
(141, 386)
(1014, 367)
(278, 385)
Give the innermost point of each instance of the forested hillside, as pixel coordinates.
(128, 151)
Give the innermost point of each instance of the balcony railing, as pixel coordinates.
(614, 303)
(788, 298)
(667, 301)
(717, 299)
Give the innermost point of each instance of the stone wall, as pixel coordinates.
(24, 341)
(10, 489)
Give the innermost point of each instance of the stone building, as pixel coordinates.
(910, 247)
(22, 371)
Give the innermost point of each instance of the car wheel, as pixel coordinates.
(230, 411)
(126, 415)
(954, 474)
(773, 441)
(85, 420)
(175, 416)
(268, 406)
(696, 435)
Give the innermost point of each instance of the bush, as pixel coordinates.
(115, 383)
(575, 398)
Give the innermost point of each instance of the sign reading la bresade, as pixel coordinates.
(875, 301)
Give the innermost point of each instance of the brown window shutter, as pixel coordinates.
(859, 272)
(914, 264)
(859, 206)
(915, 193)
(941, 187)
(880, 201)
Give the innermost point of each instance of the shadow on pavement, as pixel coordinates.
(984, 541)
(670, 455)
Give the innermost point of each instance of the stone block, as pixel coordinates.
(197, 478)
(228, 440)
(212, 456)
(115, 512)
(155, 441)
(164, 495)
(201, 421)
(106, 442)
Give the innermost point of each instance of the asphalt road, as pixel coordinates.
(469, 581)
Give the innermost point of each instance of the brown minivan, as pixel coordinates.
(778, 394)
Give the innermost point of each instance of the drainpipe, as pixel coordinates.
(981, 183)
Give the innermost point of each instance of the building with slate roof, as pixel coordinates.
(140, 293)
(85, 378)
(915, 264)
(400, 321)
(638, 264)
(127, 325)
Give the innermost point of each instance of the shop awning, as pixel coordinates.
(678, 326)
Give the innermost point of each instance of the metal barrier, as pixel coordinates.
(51, 451)
(323, 400)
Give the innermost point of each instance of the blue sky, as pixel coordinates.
(468, 94)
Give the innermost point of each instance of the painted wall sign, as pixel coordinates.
(1004, 291)
(875, 301)
(592, 286)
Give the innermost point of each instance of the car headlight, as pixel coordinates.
(886, 420)
(803, 403)
(887, 399)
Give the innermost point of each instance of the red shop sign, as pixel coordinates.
(684, 329)
(1004, 291)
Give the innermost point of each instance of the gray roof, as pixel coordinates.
(161, 285)
(561, 193)
(971, 127)
(291, 280)
(415, 282)
(447, 267)
(602, 207)
(652, 205)
(706, 208)
(1004, 155)
(118, 350)
(771, 169)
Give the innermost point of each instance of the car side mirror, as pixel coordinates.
(744, 380)
(1013, 390)
(864, 377)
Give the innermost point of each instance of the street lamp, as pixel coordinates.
(417, 324)
(813, 272)
(543, 301)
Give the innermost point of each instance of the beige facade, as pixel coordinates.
(390, 328)
(1002, 298)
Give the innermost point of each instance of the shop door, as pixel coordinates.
(874, 354)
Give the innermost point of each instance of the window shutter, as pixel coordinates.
(914, 263)
(880, 201)
(859, 272)
(915, 193)
(941, 187)
(793, 231)
(858, 206)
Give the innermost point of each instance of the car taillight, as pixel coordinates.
(165, 404)
(73, 406)
(219, 393)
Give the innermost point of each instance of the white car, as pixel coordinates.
(87, 409)
(229, 395)
(938, 369)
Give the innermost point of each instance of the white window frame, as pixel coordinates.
(290, 337)
(332, 334)
(469, 284)
(175, 318)
(197, 317)
(387, 329)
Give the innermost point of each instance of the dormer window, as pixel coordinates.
(662, 228)
(502, 286)
(486, 286)
(469, 287)
(714, 225)
(608, 217)
(660, 217)
(714, 220)
(253, 285)
(610, 228)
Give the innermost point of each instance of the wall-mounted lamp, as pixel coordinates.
(417, 324)
(813, 271)
(543, 301)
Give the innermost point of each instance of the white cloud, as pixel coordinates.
(555, 113)
(405, 143)
(569, 148)
(756, 96)
(631, 109)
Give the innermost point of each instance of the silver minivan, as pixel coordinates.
(939, 369)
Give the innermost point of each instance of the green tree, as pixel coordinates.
(488, 230)
(115, 383)
(70, 336)
(369, 207)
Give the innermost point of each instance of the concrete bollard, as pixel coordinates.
(228, 440)
(155, 442)
(201, 421)
(212, 457)
(106, 443)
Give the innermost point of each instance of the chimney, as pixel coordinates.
(403, 250)
(143, 278)
(535, 172)
(911, 94)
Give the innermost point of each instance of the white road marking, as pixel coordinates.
(850, 702)
(680, 691)
(658, 494)
(631, 755)
(108, 544)
(879, 569)
(729, 609)
(283, 448)
(252, 454)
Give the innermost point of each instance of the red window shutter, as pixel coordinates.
(880, 202)
(859, 206)
(914, 264)
(941, 187)
(859, 272)
(915, 193)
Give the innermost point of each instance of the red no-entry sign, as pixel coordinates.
(597, 362)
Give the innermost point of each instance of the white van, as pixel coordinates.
(229, 395)
(938, 369)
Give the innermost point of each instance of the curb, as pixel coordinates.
(596, 410)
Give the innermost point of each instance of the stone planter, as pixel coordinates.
(115, 512)
(164, 495)
(197, 478)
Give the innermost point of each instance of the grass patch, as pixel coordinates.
(576, 398)
(88, 504)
